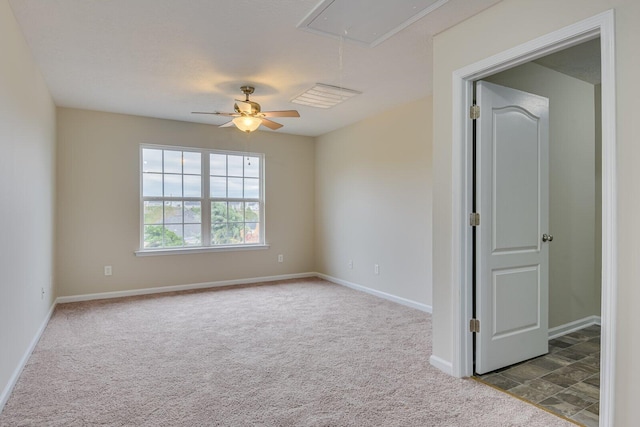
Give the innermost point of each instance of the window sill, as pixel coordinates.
(184, 251)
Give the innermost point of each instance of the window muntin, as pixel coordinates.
(181, 209)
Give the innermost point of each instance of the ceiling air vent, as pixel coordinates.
(324, 96)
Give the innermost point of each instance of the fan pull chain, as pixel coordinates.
(340, 59)
(340, 54)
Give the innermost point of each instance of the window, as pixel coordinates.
(194, 198)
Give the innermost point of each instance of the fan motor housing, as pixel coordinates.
(255, 107)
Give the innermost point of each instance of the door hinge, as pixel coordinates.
(474, 219)
(474, 112)
(474, 325)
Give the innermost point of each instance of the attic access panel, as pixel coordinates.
(368, 22)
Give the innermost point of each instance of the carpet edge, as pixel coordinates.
(520, 398)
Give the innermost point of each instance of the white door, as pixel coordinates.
(512, 196)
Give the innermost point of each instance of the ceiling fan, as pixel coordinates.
(248, 116)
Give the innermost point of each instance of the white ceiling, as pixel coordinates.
(166, 58)
(581, 61)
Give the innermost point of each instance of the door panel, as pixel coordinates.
(515, 162)
(514, 289)
(512, 269)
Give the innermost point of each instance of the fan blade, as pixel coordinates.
(284, 113)
(217, 113)
(270, 124)
(226, 125)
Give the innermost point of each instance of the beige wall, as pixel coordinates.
(506, 25)
(99, 209)
(27, 191)
(573, 291)
(373, 202)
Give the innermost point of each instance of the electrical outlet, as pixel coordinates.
(108, 271)
(280, 258)
(351, 263)
(376, 269)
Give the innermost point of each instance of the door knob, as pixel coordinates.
(547, 237)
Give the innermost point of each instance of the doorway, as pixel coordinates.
(602, 26)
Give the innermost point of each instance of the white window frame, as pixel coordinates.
(205, 201)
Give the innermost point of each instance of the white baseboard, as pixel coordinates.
(441, 364)
(162, 289)
(4, 397)
(576, 325)
(390, 297)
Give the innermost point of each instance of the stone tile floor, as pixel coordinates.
(565, 381)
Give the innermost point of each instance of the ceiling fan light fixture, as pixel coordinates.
(248, 116)
(247, 123)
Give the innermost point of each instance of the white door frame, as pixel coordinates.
(602, 25)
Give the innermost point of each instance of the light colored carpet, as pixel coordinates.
(293, 353)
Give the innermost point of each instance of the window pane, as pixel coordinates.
(151, 160)
(251, 233)
(236, 213)
(218, 186)
(251, 188)
(235, 232)
(172, 161)
(172, 212)
(235, 188)
(252, 212)
(219, 234)
(173, 235)
(152, 185)
(153, 236)
(192, 235)
(218, 212)
(192, 213)
(152, 212)
(192, 186)
(218, 164)
(252, 167)
(173, 185)
(192, 163)
(235, 165)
